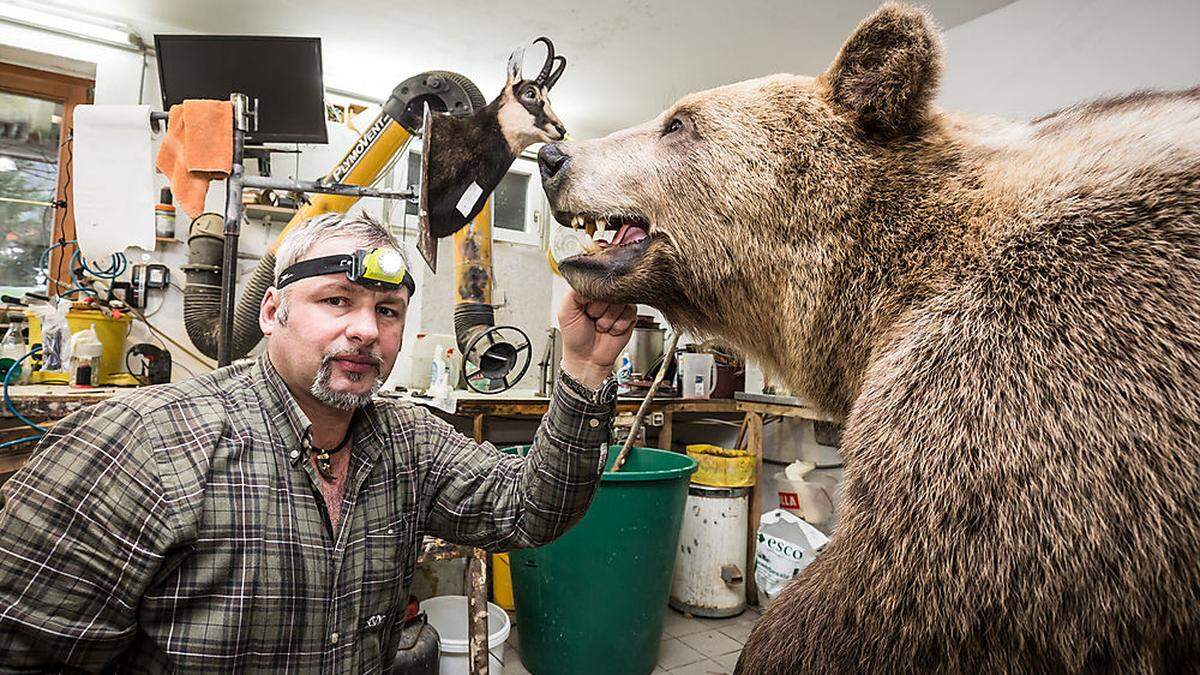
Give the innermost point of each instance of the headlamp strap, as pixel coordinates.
(349, 264)
(315, 267)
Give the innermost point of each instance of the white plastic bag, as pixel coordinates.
(56, 335)
(808, 494)
(786, 545)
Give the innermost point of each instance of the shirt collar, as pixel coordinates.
(292, 424)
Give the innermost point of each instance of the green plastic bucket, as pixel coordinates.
(594, 600)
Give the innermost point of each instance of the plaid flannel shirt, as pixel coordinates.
(180, 527)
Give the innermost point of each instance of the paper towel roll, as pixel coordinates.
(113, 180)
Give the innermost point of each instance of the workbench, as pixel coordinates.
(49, 402)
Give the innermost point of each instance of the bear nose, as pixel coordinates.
(551, 160)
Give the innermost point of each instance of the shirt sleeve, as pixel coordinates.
(83, 528)
(476, 495)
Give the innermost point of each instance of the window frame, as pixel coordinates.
(70, 92)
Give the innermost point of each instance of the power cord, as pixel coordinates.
(8, 401)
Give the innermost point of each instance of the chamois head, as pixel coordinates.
(524, 105)
(466, 157)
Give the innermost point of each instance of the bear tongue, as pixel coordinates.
(629, 234)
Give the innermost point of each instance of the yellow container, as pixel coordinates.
(502, 590)
(111, 332)
(721, 467)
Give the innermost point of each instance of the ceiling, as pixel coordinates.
(627, 59)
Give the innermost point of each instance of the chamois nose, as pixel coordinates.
(551, 159)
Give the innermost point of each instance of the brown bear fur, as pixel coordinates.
(1008, 316)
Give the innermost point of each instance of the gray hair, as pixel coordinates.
(362, 228)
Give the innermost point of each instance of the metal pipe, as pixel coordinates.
(233, 228)
(268, 183)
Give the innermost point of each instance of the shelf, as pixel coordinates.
(268, 212)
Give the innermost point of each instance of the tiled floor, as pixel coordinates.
(690, 645)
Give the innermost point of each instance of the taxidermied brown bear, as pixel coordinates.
(1008, 315)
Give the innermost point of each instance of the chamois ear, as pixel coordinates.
(887, 72)
(513, 72)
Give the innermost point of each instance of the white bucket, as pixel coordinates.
(448, 614)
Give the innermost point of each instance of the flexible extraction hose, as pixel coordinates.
(202, 295)
(473, 311)
(490, 353)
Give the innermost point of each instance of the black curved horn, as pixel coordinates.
(541, 78)
(558, 71)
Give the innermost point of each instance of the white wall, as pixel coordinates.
(1036, 56)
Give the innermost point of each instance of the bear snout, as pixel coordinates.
(552, 162)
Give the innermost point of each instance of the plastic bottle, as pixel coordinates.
(436, 367)
(86, 350)
(624, 374)
(439, 388)
(12, 348)
(164, 216)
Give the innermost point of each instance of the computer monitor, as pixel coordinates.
(283, 73)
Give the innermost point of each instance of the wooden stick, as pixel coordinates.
(641, 413)
(741, 433)
(477, 613)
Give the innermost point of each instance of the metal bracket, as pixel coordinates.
(730, 574)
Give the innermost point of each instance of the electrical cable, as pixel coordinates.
(8, 401)
(129, 368)
(47, 423)
(78, 289)
(18, 441)
(43, 263)
(160, 334)
(69, 144)
(172, 340)
(162, 301)
(116, 266)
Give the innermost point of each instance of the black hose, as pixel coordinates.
(202, 296)
(246, 332)
(471, 319)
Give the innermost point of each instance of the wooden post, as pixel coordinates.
(477, 612)
(665, 433)
(754, 443)
(477, 604)
(480, 427)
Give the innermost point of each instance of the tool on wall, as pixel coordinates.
(145, 277)
(156, 363)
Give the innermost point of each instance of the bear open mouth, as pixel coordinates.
(628, 230)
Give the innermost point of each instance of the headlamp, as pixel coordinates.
(377, 269)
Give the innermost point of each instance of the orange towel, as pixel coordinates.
(198, 148)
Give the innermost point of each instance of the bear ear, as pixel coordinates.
(887, 72)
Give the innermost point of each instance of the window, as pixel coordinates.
(35, 119)
(517, 201)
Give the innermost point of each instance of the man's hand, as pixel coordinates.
(594, 333)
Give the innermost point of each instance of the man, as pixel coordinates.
(267, 516)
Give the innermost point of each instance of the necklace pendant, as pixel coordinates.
(323, 465)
